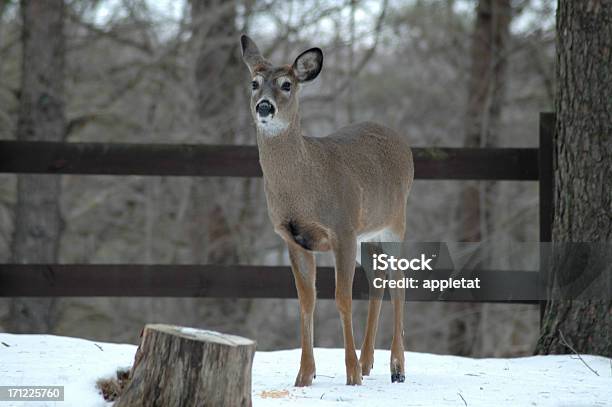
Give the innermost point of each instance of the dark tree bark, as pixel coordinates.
(485, 99)
(38, 221)
(583, 166)
(177, 366)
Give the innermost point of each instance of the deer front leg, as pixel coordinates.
(344, 253)
(304, 272)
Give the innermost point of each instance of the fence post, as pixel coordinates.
(546, 187)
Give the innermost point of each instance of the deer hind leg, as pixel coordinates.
(366, 358)
(344, 253)
(397, 344)
(304, 272)
(398, 299)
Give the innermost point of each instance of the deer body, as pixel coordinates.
(356, 178)
(326, 194)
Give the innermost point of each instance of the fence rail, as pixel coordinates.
(247, 281)
(241, 161)
(219, 281)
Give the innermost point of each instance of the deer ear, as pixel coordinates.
(308, 64)
(250, 53)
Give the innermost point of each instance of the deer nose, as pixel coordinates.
(264, 108)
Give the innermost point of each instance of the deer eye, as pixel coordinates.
(255, 85)
(286, 86)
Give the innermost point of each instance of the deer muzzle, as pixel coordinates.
(264, 108)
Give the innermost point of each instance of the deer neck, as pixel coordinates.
(281, 153)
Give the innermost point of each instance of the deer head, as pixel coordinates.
(274, 89)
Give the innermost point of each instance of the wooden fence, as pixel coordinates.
(240, 281)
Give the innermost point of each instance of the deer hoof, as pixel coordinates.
(304, 379)
(353, 376)
(366, 367)
(397, 378)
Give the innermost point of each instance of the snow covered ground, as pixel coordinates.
(431, 380)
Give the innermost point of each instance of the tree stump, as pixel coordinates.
(176, 366)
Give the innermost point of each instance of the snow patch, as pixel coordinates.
(431, 380)
(48, 360)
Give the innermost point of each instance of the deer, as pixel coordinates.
(328, 194)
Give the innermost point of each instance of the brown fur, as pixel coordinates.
(322, 194)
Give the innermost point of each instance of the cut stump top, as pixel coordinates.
(201, 335)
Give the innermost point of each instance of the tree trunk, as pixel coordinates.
(485, 98)
(38, 222)
(177, 366)
(583, 166)
(3, 5)
(217, 76)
